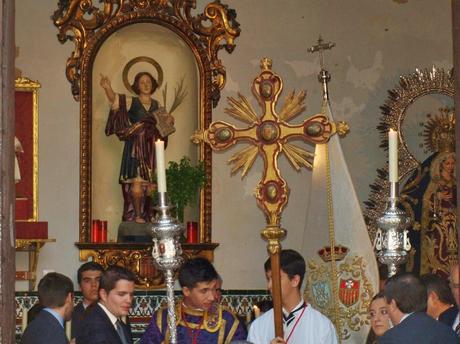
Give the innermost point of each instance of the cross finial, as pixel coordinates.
(266, 63)
(323, 77)
(321, 46)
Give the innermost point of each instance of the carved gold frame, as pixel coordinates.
(410, 88)
(90, 25)
(24, 84)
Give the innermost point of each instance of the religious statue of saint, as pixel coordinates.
(138, 121)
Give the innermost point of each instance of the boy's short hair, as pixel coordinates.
(196, 270)
(53, 290)
(408, 292)
(292, 263)
(89, 266)
(112, 275)
(440, 286)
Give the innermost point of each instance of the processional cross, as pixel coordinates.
(268, 136)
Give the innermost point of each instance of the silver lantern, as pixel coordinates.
(391, 240)
(167, 253)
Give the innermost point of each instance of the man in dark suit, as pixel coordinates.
(102, 322)
(440, 301)
(88, 276)
(55, 293)
(406, 299)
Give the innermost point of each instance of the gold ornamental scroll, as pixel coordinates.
(268, 135)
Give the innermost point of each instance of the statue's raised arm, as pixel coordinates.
(107, 86)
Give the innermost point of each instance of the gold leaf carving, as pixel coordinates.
(297, 156)
(244, 159)
(293, 105)
(241, 109)
(85, 21)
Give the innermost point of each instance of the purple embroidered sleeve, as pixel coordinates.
(153, 334)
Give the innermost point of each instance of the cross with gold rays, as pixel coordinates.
(268, 136)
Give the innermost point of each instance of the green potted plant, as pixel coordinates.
(183, 182)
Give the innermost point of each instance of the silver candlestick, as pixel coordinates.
(391, 240)
(167, 253)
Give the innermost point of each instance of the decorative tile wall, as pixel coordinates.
(145, 303)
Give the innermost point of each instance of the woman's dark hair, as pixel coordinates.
(135, 85)
(379, 295)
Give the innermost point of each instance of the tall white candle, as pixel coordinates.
(393, 155)
(161, 172)
(24, 319)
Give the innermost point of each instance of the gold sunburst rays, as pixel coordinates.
(298, 157)
(439, 131)
(294, 105)
(244, 159)
(242, 109)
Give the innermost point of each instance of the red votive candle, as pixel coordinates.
(95, 230)
(103, 237)
(192, 232)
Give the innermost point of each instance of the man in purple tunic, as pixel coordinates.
(200, 319)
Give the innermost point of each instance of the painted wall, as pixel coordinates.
(376, 42)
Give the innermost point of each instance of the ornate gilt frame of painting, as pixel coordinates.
(26, 133)
(411, 88)
(92, 26)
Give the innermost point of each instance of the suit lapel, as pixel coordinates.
(108, 324)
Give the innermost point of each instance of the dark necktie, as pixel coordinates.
(121, 332)
(291, 316)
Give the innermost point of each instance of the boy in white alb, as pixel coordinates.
(301, 323)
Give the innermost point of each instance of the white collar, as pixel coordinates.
(84, 304)
(298, 306)
(112, 317)
(405, 316)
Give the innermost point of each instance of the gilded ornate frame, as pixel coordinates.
(90, 25)
(410, 88)
(23, 84)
